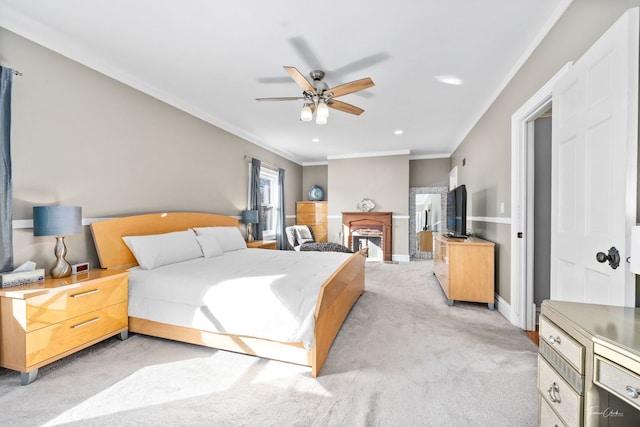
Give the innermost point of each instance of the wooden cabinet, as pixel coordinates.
(262, 244)
(43, 322)
(465, 269)
(313, 214)
(425, 241)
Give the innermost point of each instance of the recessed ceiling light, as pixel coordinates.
(315, 140)
(449, 79)
(399, 132)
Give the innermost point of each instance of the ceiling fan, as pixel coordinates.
(318, 97)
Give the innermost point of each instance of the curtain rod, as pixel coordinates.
(249, 158)
(17, 73)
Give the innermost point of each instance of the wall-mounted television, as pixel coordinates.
(457, 212)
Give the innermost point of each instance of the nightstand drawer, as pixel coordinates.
(566, 346)
(53, 340)
(559, 394)
(48, 309)
(617, 380)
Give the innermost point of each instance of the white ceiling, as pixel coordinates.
(212, 59)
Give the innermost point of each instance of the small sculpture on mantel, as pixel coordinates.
(365, 205)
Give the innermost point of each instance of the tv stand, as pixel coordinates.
(465, 269)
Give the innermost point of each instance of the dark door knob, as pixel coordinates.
(613, 257)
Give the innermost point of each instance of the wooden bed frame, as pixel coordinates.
(337, 295)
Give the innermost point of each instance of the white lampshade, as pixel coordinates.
(306, 114)
(321, 120)
(322, 111)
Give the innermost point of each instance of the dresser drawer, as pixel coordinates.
(617, 380)
(566, 346)
(548, 418)
(312, 207)
(559, 394)
(48, 309)
(307, 218)
(53, 340)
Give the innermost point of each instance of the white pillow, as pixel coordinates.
(229, 238)
(156, 250)
(210, 246)
(303, 234)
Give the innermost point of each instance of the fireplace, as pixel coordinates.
(368, 229)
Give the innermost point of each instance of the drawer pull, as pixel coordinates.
(553, 340)
(554, 392)
(632, 392)
(82, 294)
(80, 325)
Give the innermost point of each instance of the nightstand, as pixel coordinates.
(262, 244)
(46, 321)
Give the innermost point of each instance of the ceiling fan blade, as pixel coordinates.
(299, 78)
(285, 98)
(347, 88)
(343, 106)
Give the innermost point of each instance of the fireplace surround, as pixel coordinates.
(365, 226)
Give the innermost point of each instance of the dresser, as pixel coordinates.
(465, 269)
(46, 321)
(588, 365)
(313, 214)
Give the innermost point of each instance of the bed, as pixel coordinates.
(336, 294)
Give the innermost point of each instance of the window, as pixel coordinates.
(269, 193)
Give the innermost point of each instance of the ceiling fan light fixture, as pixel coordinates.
(306, 115)
(320, 120)
(323, 110)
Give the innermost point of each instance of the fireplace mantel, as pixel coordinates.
(353, 221)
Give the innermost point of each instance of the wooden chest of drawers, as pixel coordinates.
(43, 322)
(313, 214)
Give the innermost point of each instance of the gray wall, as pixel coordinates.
(81, 138)
(487, 147)
(384, 180)
(315, 175)
(429, 172)
(542, 209)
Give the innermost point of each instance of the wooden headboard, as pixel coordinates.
(113, 253)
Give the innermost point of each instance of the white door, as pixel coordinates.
(594, 152)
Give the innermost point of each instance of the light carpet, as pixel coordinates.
(402, 358)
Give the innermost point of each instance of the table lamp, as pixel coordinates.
(249, 217)
(58, 221)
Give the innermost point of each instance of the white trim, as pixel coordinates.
(504, 308)
(339, 216)
(323, 163)
(290, 216)
(28, 223)
(491, 219)
(521, 208)
(544, 30)
(400, 258)
(429, 156)
(372, 154)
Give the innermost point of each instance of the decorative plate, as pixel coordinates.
(316, 193)
(366, 205)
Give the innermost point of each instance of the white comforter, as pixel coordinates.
(254, 292)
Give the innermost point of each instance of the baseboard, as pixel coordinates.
(504, 308)
(400, 258)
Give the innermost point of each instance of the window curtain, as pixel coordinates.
(6, 180)
(255, 198)
(281, 236)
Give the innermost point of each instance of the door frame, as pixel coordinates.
(522, 310)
